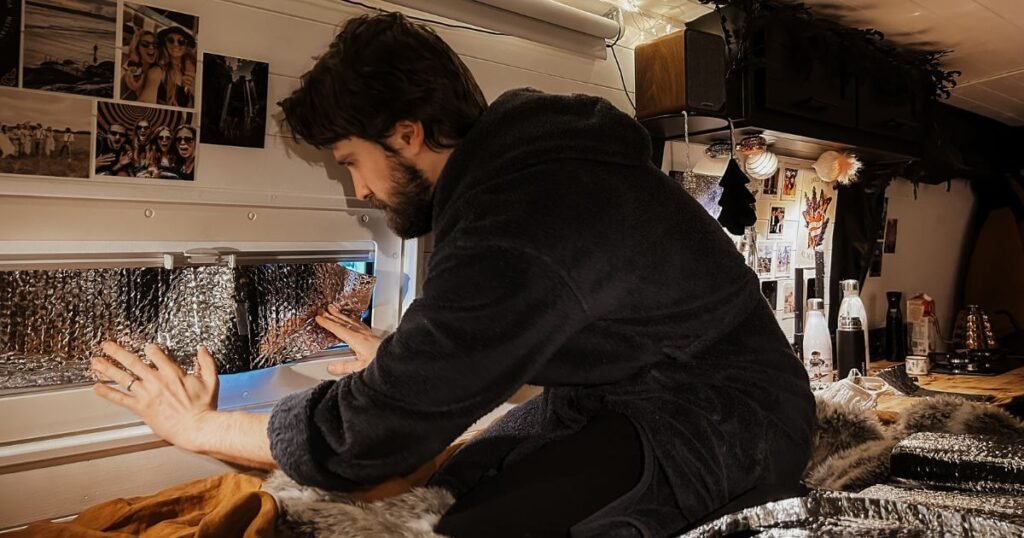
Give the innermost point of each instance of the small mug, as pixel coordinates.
(917, 365)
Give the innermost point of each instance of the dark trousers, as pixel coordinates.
(554, 487)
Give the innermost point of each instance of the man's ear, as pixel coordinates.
(408, 138)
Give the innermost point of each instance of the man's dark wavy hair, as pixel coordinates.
(380, 70)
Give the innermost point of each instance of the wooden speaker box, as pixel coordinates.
(684, 70)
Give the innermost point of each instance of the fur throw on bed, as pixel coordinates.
(852, 448)
(309, 512)
(851, 452)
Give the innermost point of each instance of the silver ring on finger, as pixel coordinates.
(130, 383)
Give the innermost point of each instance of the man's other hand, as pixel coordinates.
(353, 332)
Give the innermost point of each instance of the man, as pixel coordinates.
(563, 258)
(66, 141)
(113, 153)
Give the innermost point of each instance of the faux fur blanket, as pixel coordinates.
(851, 453)
(851, 448)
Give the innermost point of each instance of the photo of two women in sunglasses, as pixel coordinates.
(158, 58)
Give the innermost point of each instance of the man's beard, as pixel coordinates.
(409, 213)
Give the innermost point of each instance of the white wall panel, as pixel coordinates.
(289, 35)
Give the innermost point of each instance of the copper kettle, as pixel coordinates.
(972, 331)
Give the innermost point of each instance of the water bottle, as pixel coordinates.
(852, 331)
(817, 346)
(895, 333)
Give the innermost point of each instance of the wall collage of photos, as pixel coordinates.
(117, 89)
(795, 213)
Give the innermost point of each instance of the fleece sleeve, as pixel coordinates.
(488, 320)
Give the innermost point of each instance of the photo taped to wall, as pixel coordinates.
(159, 56)
(788, 300)
(770, 187)
(234, 101)
(770, 290)
(10, 42)
(777, 221)
(891, 226)
(783, 260)
(146, 142)
(787, 181)
(875, 269)
(44, 134)
(765, 259)
(69, 46)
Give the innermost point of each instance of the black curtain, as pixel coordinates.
(858, 225)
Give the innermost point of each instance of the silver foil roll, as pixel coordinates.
(53, 321)
(833, 514)
(963, 462)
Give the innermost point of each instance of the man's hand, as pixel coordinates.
(105, 160)
(170, 402)
(359, 338)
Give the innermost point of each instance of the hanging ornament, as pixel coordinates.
(760, 163)
(841, 166)
(688, 179)
(737, 202)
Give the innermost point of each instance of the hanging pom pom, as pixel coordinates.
(838, 166)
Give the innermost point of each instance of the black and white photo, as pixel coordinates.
(159, 56)
(69, 46)
(44, 134)
(145, 142)
(10, 42)
(234, 101)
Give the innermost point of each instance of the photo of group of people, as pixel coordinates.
(10, 41)
(69, 46)
(136, 141)
(159, 56)
(44, 135)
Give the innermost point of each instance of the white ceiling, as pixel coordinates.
(986, 36)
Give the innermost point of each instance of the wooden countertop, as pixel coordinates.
(1006, 388)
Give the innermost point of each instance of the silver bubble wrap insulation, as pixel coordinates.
(249, 317)
(1008, 507)
(834, 515)
(960, 461)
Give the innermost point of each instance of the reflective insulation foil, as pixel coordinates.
(962, 462)
(249, 317)
(1008, 507)
(284, 299)
(835, 514)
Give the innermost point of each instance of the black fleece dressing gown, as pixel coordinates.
(563, 258)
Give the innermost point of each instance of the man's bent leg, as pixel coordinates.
(556, 486)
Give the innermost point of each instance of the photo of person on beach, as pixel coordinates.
(10, 41)
(146, 142)
(69, 46)
(158, 56)
(44, 135)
